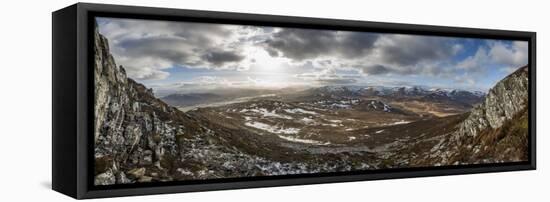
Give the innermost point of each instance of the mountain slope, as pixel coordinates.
(492, 123)
(495, 131)
(135, 133)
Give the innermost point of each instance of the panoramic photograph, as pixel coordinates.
(183, 101)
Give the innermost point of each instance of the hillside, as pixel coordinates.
(135, 133)
(494, 131)
(497, 129)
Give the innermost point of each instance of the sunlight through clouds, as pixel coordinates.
(154, 52)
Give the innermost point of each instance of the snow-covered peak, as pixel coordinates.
(400, 91)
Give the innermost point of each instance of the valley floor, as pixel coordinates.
(277, 137)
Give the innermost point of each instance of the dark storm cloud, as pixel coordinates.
(171, 49)
(375, 69)
(301, 44)
(425, 69)
(146, 48)
(400, 50)
(199, 33)
(222, 57)
(178, 51)
(272, 52)
(357, 44)
(187, 49)
(373, 53)
(408, 50)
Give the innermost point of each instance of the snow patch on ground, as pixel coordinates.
(387, 108)
(184, 171)
(380, 131)
(331, 124)
(397, 123)
(306, 141)
(307, 120)
(272, 129)
(342, 106)
(299, 110)
(265, 113)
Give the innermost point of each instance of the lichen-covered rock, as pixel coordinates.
(105, 178)
(137, 172)
(146, 158)
(145, 179)
(122, 179)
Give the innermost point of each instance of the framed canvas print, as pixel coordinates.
(154, 100)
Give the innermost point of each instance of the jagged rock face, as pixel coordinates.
(505, 104)
(505, 100)
(132, 128)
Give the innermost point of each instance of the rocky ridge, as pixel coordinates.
(134, 131)
(494, 131)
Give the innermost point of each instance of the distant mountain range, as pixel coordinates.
(435, 94)
(405, 91)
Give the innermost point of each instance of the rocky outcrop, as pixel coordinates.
(505, 99)
(489, 125)
(133, 129)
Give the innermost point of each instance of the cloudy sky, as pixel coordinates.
(181, 57)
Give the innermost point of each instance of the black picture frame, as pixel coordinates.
(72, 99)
